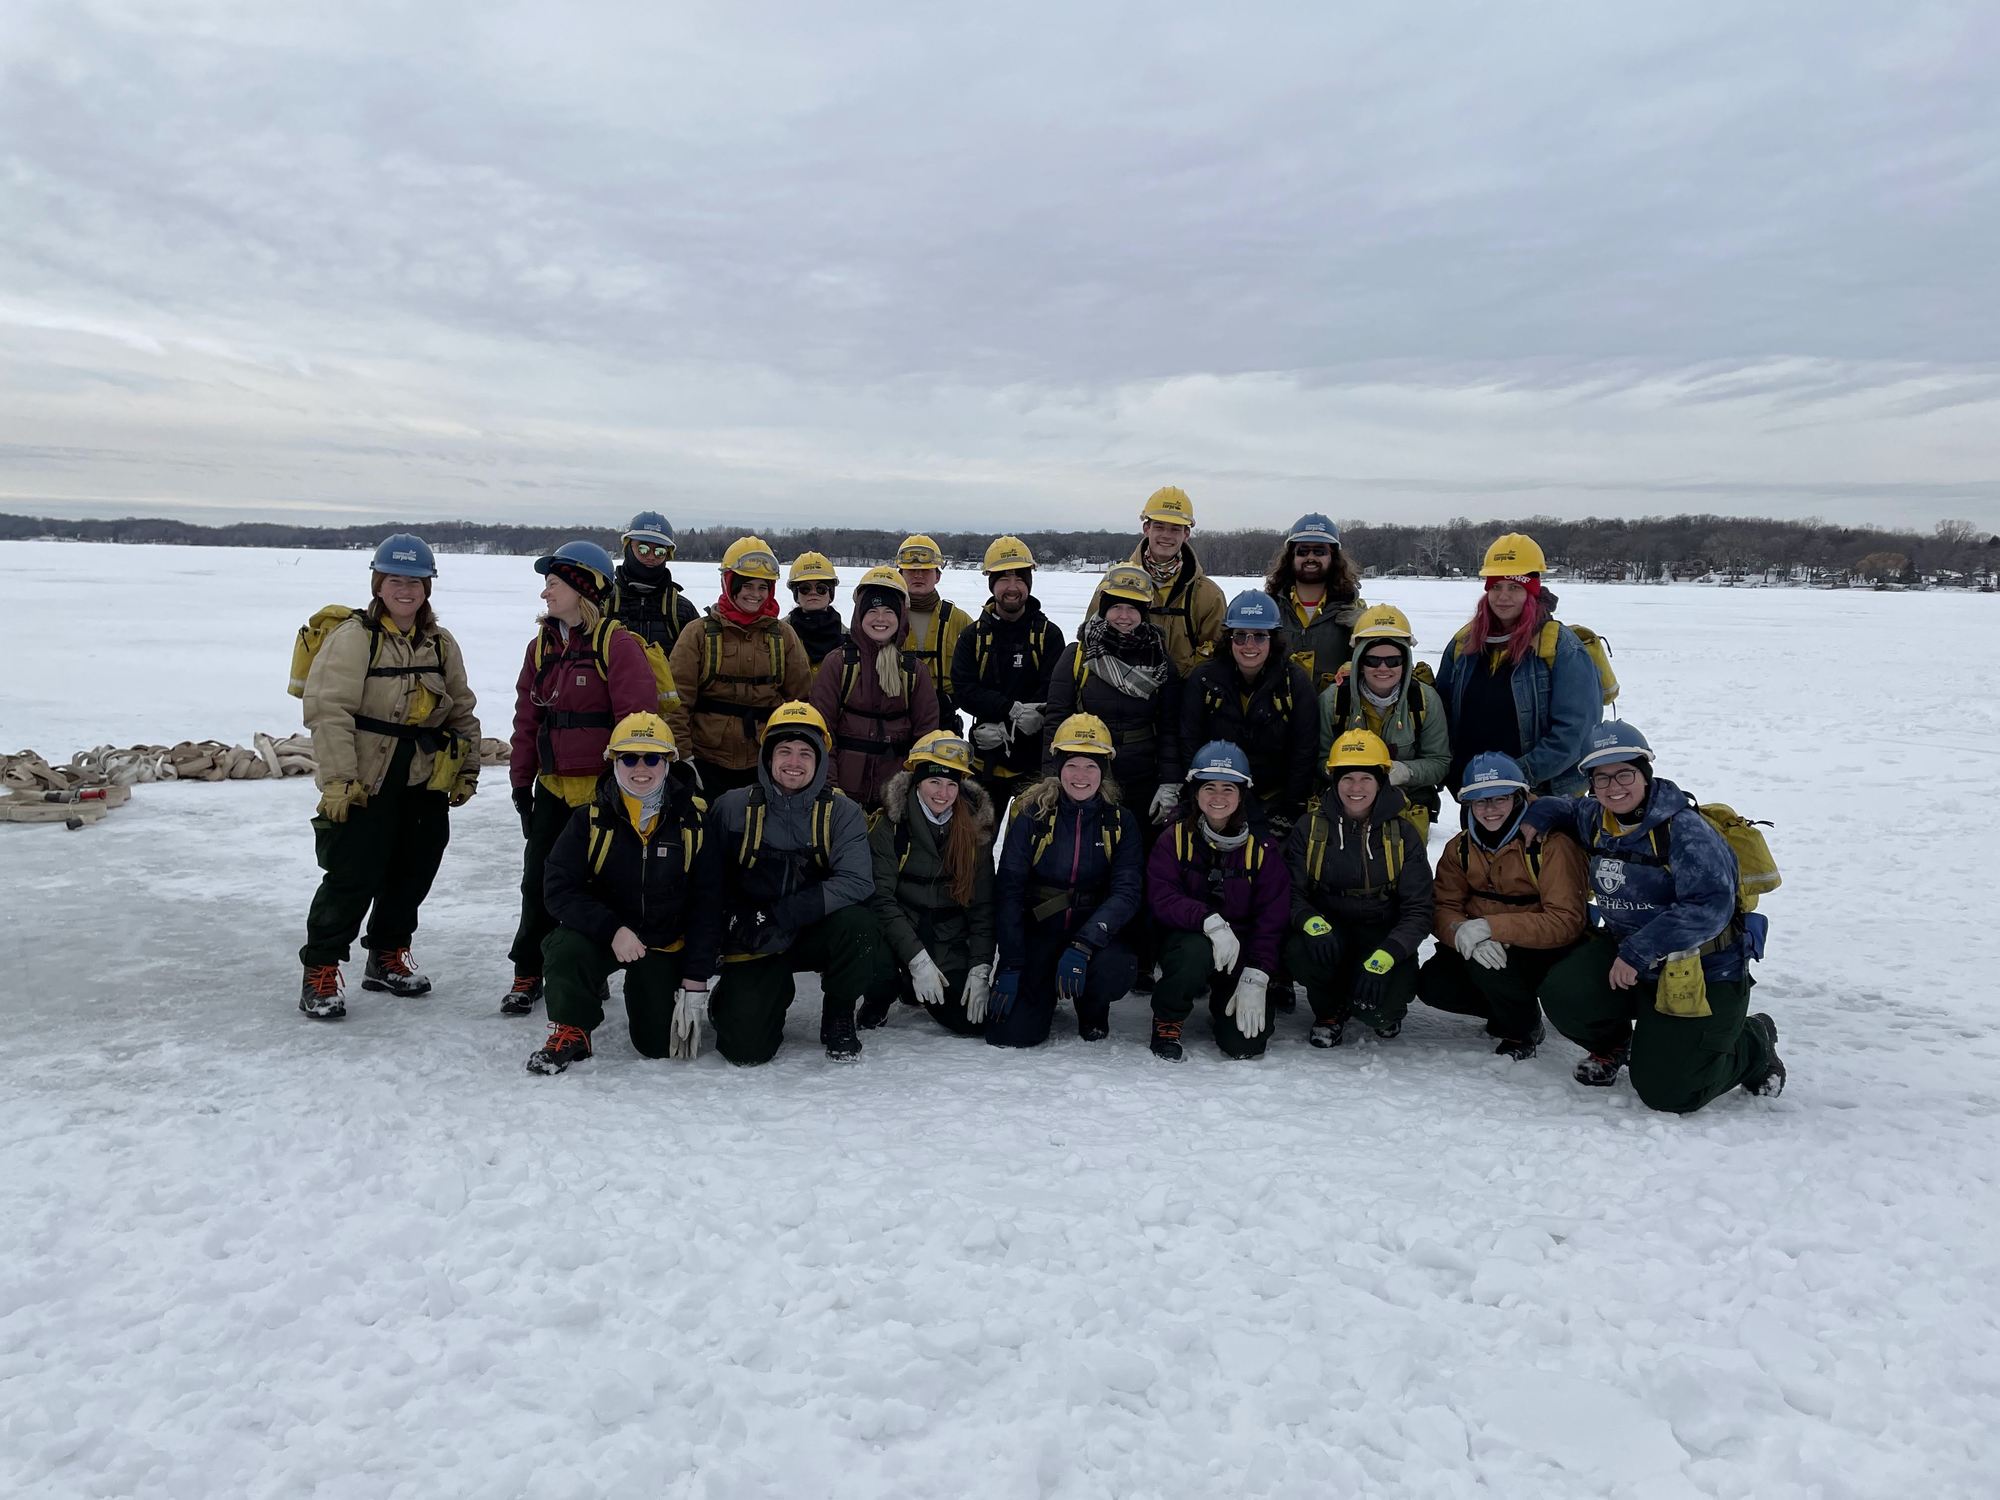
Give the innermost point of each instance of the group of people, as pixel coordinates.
(1211, 801)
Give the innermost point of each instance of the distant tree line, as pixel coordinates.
(1646, 548)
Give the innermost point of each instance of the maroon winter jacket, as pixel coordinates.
(564, 714)
(872, 732)
(1255, 905)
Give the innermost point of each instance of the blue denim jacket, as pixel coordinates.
(1554, 710)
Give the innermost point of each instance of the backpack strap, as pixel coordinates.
(598, 847)
(752, 843)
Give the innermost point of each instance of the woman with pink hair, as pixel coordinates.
(1517, 681)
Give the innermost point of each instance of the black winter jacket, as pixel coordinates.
(1281, 738)
(648, 886)
(1146, 731)
(1000, 663)
(1106, 892)
(1353, 887)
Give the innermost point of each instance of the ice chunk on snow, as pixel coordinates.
(1579, 1425)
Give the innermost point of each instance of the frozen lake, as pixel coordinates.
(249, 1255)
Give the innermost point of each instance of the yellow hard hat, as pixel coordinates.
(1083, 734)
(794, 716)
(1007, 554)
(1169, 503)
(1383, 622)
(1127, 581)
(919, 552)
(941, 748)
(811, 567)
(640, 734)
(1513, 556)
(884, 577)
(1358, 749)
(751, 557)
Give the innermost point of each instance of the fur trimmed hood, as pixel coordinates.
(896, 801)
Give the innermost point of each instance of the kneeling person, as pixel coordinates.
(1361, 895)
(1221, 897)
(631, 883)
(795, 878)
(1663, 986)
(1507, 910)
(933, 848)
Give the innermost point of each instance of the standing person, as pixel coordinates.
(736, 664)
(1181, 601)
(933, 851)
(813, 618)
(580, 675)
(1001, 671)
(1384, 691)
(632, 886)
(1315, 585)
(644, 597)
(396, 744)
(1072, 876)
(1118, 669)
(797, 878)
(1663, 985)
(935, 623)
(1253, 697)
(1516, 680)
(1222, 896)
(1361, 896)
(1507, 910)
(876, 697)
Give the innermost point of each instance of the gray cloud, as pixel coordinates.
(552, 262)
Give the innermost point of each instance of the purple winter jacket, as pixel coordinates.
(1256, 904)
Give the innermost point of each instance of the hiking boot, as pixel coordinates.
(1388, 1030)
(1599, 1070)
(1520, 1048)
(566, 1044)
(319, 993)
(390, 969)
(836, 1034)
(520, 999)
(1327, 1033)
(1093, 1028)
(1771, 1082)
(1282, 996)
(1167, 1040)
(871, 1013)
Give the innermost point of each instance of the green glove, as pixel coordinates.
(1381, 961)
(1317, 927)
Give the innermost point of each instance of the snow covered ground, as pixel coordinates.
(244, 1254)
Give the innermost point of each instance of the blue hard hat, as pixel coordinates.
(584, 555)
(649, 526)
(1314, 527)
(1614, 740)
(405, 556)
(1253, 610)
(1491, 774)
(1219, 760)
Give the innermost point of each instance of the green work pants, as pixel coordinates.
(1677, 1063)
(844, 948)
(1329, 966)
(378, 865)
(1505, 999)
(575, 969)
(1187, 972)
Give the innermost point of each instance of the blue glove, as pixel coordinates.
(1006, 990)
(1071, 970)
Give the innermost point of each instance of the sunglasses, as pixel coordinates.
(1622, 777)
(1381, 661)
(1250, 637)
(630, 760)
(1311, 549)
(813, 588)
(651, 549)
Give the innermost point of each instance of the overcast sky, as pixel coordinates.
(998, 265)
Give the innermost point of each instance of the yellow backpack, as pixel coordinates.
(1756, 868)
(1595, 646)
(312, 636)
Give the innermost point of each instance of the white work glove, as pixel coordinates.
(1222, 943)
(1470, 935)
(1399, 772)
(989, 736)
(1490, 954)
(1247, 1004)
(926, 979)
(978, 985)
(1165, 800)
(689, 1013)
(1026, 718)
